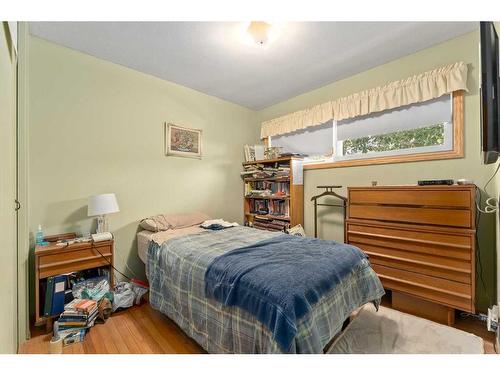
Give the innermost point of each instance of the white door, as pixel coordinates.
(8, 251)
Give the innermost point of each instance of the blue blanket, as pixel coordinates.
(278, 280)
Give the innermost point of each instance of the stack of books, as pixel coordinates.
(270, 224)
(78, 316)
(253, 193)
(283, 171)
(263, 185)
(256, 189)
(279, 170)
(251, 169)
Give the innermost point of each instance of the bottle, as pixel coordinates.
(39, 236)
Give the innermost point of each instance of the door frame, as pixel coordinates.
(23, 235)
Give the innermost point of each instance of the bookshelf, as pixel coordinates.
(273, 196)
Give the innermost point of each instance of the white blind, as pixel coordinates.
(315, 140)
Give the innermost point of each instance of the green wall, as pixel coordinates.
(8, 260)
(97, 127)
(463, 48)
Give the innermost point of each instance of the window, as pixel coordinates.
(423, 127)
(422, 131)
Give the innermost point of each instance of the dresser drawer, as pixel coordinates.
(423, 197)
(435, 254)
(413, 215)
(447, 292)
(455, 271)
(74, 260)
(452, 245)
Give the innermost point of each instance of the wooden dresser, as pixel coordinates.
(421, 243)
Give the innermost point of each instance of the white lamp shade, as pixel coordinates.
(102, 204)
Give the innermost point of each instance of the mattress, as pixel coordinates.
(143, 238)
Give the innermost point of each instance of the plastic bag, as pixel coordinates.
(126, 294)
(95, 288)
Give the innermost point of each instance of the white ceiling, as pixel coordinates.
(210, 56)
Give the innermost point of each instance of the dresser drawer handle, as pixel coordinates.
(410, 239)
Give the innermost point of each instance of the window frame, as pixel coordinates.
(457, 150)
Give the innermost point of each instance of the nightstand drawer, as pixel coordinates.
(74, 260)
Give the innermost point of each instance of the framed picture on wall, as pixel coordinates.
(180, 141)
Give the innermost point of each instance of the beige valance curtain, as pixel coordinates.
(419, 88)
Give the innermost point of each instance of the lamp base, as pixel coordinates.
(102, 224)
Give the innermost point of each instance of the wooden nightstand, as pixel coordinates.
(52, 260)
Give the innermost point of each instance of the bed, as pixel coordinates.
(176, 263)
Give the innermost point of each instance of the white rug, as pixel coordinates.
(392, 332)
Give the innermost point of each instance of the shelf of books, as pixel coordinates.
(273, 193)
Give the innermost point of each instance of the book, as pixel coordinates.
(68, 296)
(54, 295)
(86, 305)
(49, 290)
(74, 337)
(71, 306)
(64, 325)
(65, 332)
(75, 318)
(74, 314)
(58, 294)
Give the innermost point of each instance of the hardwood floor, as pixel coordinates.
(477, 328)
(141, 329)
(137, 330)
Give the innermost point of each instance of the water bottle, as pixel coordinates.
(39, 235)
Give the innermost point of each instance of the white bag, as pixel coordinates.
(126, 294)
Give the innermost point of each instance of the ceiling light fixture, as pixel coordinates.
(263, 32)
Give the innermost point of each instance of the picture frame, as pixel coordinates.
(182, 141)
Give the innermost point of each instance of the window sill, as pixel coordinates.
(441, 155)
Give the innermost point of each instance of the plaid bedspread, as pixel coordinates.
(176, 272)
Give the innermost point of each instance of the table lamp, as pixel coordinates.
(101, 205)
